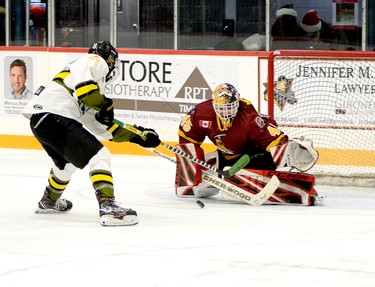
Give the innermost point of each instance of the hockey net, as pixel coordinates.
(329, 97)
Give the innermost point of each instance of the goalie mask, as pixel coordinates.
(225, 101)
(105, 50)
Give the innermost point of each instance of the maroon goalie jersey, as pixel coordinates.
(249, 130)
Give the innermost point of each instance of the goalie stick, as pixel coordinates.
(231, 189)
(253, 199)
(241, 163)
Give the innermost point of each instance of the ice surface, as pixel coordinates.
(177, 243)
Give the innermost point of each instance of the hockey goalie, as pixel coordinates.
(234, 126)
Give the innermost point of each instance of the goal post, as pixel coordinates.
(329, 97)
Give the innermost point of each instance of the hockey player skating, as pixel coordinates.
(59, 112)
(234, 126)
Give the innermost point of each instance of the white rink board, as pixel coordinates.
(152, 90)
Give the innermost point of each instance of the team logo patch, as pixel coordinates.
(259, 121)
(192, 111)
(39, 90)
(282, 92)
(38, 107)
(205, 124)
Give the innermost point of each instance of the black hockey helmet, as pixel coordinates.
(105, 50)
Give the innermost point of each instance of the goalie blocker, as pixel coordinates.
(294, 188)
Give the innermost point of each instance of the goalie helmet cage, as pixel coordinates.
(329, 97)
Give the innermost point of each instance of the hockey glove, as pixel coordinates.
(106, 114)
(298, 153)
(152, 138)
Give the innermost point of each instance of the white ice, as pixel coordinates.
(177, 243)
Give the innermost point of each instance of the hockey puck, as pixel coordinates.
(200, 204)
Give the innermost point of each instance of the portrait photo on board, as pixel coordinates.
(18, 78)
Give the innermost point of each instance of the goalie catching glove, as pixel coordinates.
(297, 153)
(151, 140)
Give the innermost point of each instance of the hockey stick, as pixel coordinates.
(235, 191)
(253, 199)
(241, 163)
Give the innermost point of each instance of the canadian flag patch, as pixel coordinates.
(205, 124)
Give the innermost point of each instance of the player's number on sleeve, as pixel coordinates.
(186, 124)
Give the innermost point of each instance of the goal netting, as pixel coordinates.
(329, 97)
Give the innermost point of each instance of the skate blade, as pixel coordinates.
(48, 211)
(109, 220)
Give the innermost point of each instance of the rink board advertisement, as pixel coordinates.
(324, 93)
(158, 90)
(330, 101)
(18, 83)
(153, 90)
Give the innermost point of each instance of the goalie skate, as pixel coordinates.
(112, 214)
(318, 199)
(47, 205)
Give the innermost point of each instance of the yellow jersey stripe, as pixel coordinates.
(101, 177)
(275, 142)
(56, 185)
(85, 90)
(62, 75)
(180, 133)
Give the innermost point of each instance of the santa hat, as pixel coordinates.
(311, 22)
(286, 10)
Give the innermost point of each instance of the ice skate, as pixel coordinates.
(47, 205)
(318, 199)
(112, 214)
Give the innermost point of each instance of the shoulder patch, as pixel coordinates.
(38, 107)
(193, 110)
(259, 121)
(39, 90)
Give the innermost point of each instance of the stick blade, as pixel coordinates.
(267, 191)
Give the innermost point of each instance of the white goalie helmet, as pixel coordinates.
(226, 100)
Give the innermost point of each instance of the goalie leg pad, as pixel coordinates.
(188, 173)
(294, 187)
(204, 189)
(188, 181)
